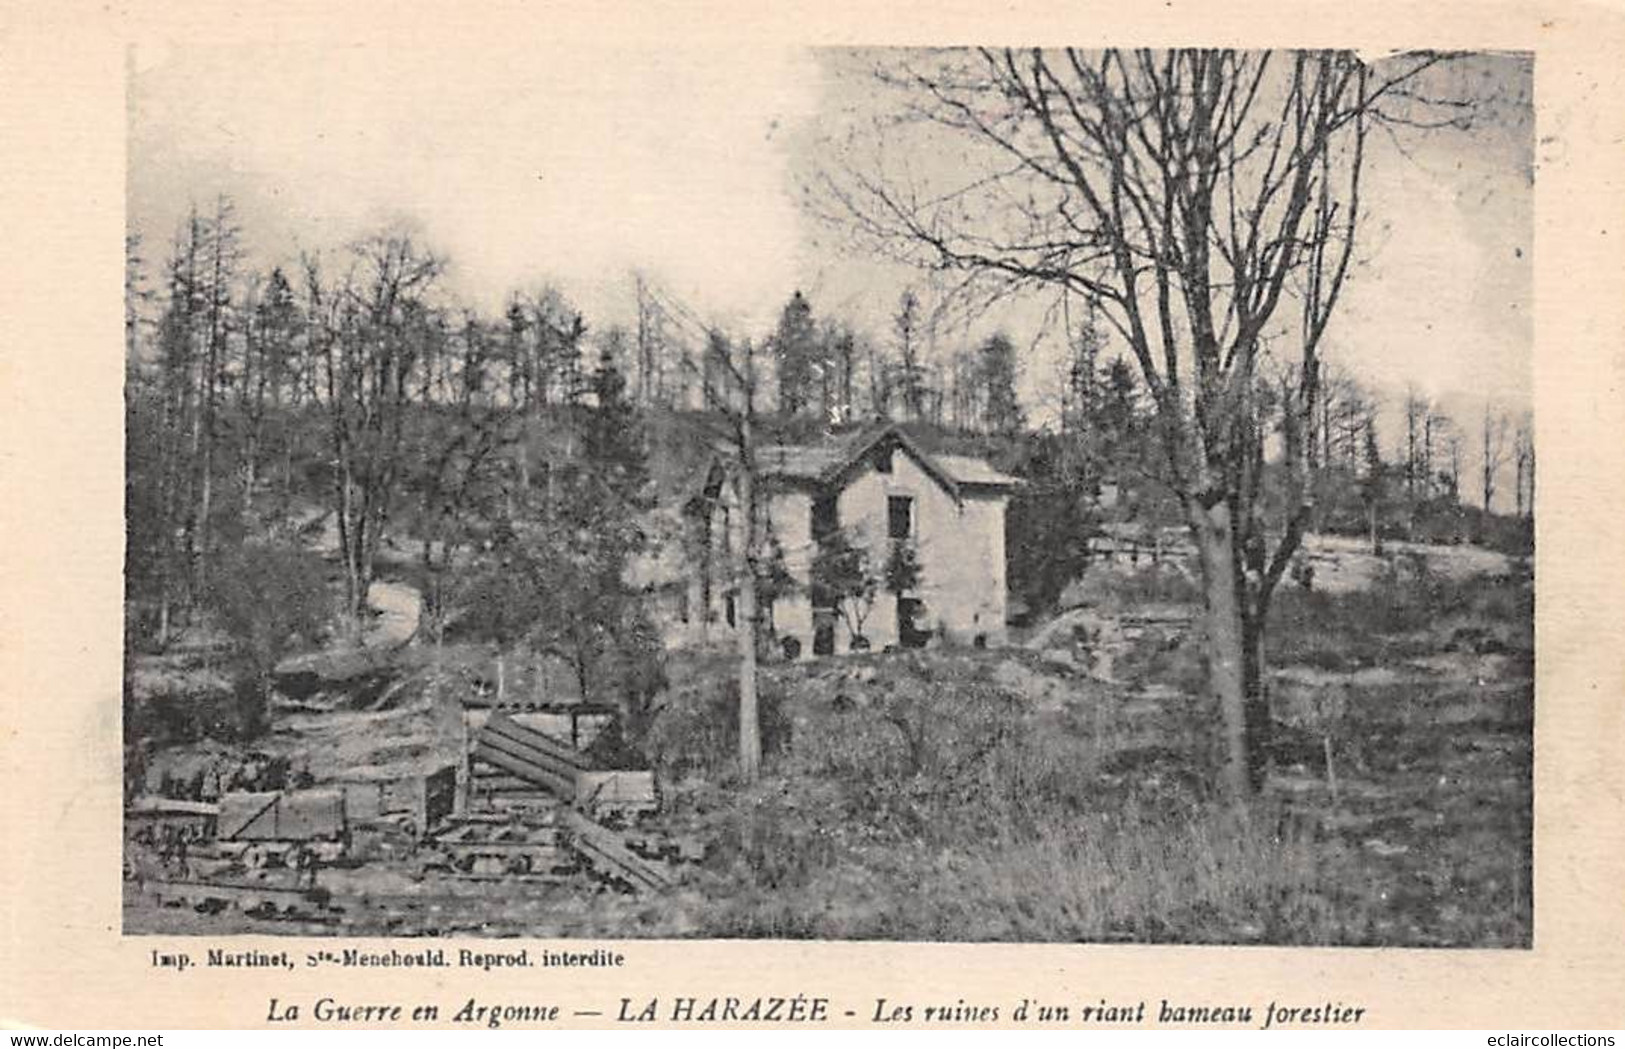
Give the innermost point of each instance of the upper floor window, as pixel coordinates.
(883, 459)
(899, 516)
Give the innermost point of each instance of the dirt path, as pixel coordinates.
(398, 605)
(399, 608)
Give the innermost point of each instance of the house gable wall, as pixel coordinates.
(960, 544)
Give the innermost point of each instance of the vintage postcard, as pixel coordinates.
(730, 517)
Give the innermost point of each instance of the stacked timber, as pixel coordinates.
(516, 768)
(519, 767)
(504, 849)
(609, 852)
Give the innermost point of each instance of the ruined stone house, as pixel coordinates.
(878, 488)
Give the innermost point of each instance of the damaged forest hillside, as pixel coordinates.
(518, 622)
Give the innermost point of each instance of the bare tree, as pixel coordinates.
(1373, 485)
(743, 419)
(1442, 432)
(729, 383)
(138, 298)
(1496, 428)
(1345, 409)
(841, 353)
(1417, 408)
(223, 257)
(184, 373)
(1523, 454)
(1208, 201)
(650, 381)
(371, 331)
(910, 375)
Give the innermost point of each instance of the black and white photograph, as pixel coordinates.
(976, 494)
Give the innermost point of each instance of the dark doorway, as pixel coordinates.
(909, 635)
(823, 633)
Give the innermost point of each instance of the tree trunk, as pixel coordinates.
(750, 734)
(581, 660)
(1255, 701)
(166, 520)
(251, 471)
(750, 737)
(203, 456)
(354, 592)
(431, 586)
(288, 428)
(1231, 652)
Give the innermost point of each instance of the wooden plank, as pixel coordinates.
(527, 753)
(179, 889)
(601, 856)
(511, 705)
(501, 846)
(505, 724)
(540, 778)
(501, 726)
(504, 834)
(539, 795)
(532, 878)
(620, 789)
(488, 780)
(152, 805)
(561, 785)
(526, 759)
(509, 805)
(607, 847)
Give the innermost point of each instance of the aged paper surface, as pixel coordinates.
(65, 961)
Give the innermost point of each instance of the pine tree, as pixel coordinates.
(1374, 485)
(996, 372)
(910, 381)
(797, 352)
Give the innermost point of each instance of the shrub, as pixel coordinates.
(774, 839)
(1109, 587)
(694, 727)
(268, 598)
(185, 716)
(1338, 631)
(1194, 876)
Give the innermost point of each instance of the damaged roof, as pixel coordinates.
(827, 463)
(970, 471)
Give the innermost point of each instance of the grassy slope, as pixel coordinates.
(1003, 796)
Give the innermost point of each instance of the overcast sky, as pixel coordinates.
(529, 167)
(558, 170)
